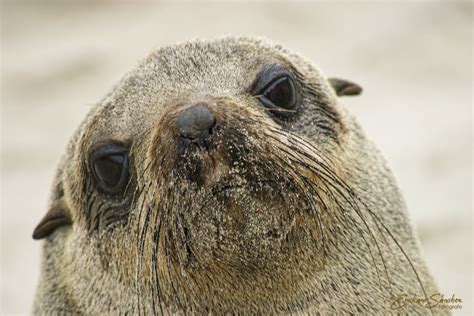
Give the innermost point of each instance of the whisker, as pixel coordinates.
(355, 207)
(343, 211)
(378, 220)
(310, 200)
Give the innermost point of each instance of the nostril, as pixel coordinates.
(211, 129)
(196, 122)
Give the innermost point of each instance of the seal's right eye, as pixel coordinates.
(109, 166)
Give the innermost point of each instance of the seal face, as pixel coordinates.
(225, 177)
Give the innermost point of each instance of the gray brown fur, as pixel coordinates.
(311, 219)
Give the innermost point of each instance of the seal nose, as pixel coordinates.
(195, 123)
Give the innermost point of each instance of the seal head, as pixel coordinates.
(225, 177)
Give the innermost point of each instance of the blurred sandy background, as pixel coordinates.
(413, 60)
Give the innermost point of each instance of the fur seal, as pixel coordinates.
(226, 177)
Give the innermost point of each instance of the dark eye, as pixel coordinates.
(109, 166)
(280, 93)
(276, 90)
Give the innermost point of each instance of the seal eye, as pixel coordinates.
(109, 166)
(280, 93)
(276, 90)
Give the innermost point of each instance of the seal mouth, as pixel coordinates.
(222, 159)
(200, 143)
(210, 170)
(186, 144)
(224, 155)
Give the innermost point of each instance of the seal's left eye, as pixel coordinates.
(276, 90)
(280, 93)
(109, 166)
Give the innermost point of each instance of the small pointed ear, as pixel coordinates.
(345, 87)
(57, 216)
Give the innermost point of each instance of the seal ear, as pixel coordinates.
(57, 216)
(344, 87)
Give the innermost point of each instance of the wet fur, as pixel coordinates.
(299, 216)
